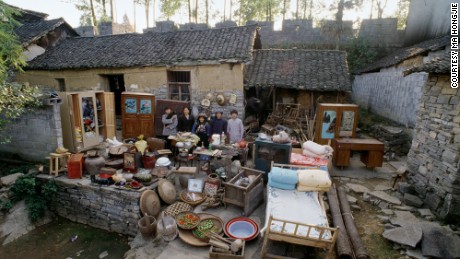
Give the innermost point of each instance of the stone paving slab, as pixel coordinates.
(385, 197)
(409, 235)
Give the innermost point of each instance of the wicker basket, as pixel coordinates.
(176, 208)
(180, 215)
(147, 226)
(183, 197)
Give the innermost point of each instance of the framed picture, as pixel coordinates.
(130, 105)
(210, 188)
(195, 185)
(129, 162)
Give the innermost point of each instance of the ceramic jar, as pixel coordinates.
(94, 163)
(214, 178)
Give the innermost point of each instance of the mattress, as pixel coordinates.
(300, 207)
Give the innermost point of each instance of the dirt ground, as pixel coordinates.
(54, 241)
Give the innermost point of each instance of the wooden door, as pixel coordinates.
(137, 114)
(109, 112)
(90, 130)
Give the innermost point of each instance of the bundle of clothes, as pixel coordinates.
(310, 148)
(303, 180)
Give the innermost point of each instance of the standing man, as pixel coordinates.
(235, 128)
(218, 124)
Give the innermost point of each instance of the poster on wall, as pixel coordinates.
(130, 105)
(328, 124)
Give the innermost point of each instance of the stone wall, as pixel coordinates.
(433, 159)
(35, 134)
(101, 207)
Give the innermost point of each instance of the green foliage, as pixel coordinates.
(359, 53)
(169, 7)
(37, 195)
(259, 10)
(5, 206)
(10, 47)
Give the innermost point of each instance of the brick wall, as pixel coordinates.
(35, 134)
(433, 159)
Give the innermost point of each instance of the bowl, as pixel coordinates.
(180, 144)
(187, 220)
(242, 228)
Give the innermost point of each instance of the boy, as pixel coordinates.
(235, 128)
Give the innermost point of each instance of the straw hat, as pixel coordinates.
(205, 102)
(61, 150)
(232, 99)
(167, 191)
(150, 203)
(210, 97)
(220, 99)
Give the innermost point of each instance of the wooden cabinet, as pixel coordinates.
(371, 151)
(335, 121)
(137, 114)
(266, 151)
(87, 119)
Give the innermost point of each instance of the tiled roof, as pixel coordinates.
(316, 70)
(439, 65)
(29, 32)
(150, 49)
(406, 53)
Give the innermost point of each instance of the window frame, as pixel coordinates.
(172, 83)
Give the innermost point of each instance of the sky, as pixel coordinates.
(67, 10)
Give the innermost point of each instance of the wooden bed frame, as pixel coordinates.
(293, 238)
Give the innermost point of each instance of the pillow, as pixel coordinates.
(317, 148)
(283, 175)
(283, 186)
(314, 178)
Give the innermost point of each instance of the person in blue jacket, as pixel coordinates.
(203, 130)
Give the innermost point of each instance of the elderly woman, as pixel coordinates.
(170, 121)
(202, 129)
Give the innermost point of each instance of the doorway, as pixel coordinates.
(117, 86)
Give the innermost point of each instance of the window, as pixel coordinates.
(179, 85)
(61, 84)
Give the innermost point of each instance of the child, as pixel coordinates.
(203, 130)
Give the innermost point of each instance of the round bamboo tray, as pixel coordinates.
(184, 198)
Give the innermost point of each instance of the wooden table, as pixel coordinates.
(371, 151)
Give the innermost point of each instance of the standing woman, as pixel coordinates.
(169, 120)
(203, 130)
(186, 121)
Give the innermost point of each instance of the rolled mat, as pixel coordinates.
(358, 246)
(344, 249)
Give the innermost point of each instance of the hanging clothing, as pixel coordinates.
(235, 130)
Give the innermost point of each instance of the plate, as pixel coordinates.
(187, 236)
(242, 228)
(216, 227)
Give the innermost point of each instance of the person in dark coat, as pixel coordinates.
(186, 121)
(203, 130)
(218, 124)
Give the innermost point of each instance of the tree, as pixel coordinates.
(402, 13)
(15, 99)
(169, 7)
(381, 4)
(207, 12)
(146, 4)
(359, 54)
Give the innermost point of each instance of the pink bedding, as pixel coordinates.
(299, 159)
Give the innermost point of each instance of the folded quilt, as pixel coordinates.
(283, 186)
(283, 175)
(314, 178)
(303, 188)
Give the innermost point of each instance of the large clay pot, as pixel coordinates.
(214, 178)
(149, 161)
(94, 163)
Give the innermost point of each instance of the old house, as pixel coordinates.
(182, 65)
(382, 88)
(433, 159)
(298, 76)
(36, 34)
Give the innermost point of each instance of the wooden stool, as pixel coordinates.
(55, 159)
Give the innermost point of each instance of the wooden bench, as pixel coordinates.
(371, 151)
